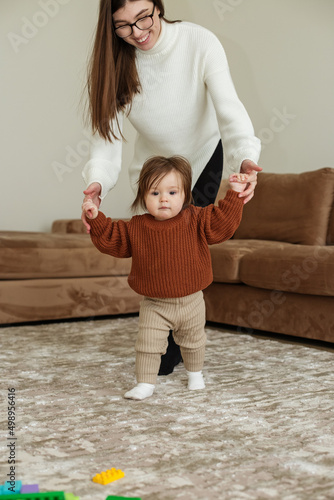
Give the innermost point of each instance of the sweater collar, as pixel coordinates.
(168, 34)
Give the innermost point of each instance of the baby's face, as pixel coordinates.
(165, 200)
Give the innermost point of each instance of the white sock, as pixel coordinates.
(141, 391)
(195, 381)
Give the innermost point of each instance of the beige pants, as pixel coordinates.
(186, 317)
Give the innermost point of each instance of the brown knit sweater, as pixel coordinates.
(169, 258)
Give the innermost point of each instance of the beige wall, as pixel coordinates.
(281, 59)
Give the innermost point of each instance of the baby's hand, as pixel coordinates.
(238, 182)
(90, 209)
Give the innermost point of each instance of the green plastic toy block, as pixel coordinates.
(52, 495)
(121, 498)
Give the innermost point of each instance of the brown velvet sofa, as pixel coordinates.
(275, 275)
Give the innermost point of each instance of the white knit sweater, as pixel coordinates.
(186, 104)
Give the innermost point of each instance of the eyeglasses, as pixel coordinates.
(142, 24)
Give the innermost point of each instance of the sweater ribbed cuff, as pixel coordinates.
(97, 225)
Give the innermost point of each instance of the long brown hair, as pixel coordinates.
(112, 79)
(155, 169)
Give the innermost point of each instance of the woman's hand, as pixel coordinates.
(92, 197)
(250, 168)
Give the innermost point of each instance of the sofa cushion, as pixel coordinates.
(45, 255)
(226, 258)
(290, 268)
(293, 208)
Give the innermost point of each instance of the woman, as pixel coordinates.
(172, 80)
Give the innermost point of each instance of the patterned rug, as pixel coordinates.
(262, 429)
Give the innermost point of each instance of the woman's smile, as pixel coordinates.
(144, 39)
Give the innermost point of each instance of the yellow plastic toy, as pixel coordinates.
(108, 476)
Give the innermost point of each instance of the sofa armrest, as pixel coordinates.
(64, 226)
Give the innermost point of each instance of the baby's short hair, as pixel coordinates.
(155, 169)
